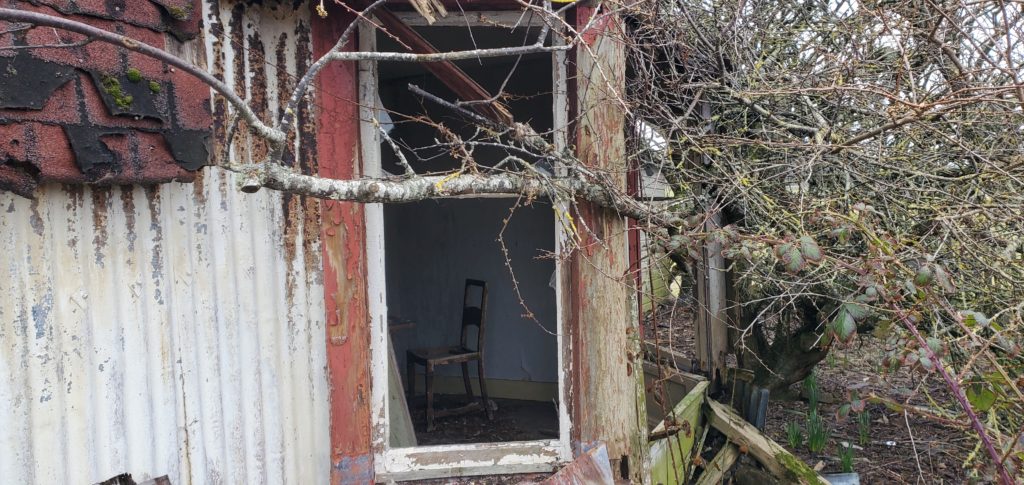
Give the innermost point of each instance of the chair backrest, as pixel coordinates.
(474, 313)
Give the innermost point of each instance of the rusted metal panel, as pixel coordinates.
(591, 468)
(172, 330)
(607, 375)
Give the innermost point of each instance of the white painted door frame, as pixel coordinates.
(424, 462)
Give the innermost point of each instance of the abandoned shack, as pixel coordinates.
(157, 321)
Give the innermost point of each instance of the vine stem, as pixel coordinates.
(958, 392)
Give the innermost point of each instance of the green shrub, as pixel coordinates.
(794, 435)
(817, 435)
(864, 428)
(846, 458)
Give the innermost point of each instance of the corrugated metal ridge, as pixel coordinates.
(172, 330)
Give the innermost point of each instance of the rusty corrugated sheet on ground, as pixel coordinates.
(591, 468)
(173, 330)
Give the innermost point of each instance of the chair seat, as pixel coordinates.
(455, 353)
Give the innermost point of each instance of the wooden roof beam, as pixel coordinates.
(446, 71)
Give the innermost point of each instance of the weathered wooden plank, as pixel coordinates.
(591, 467)
(401, 431)
(714, 472)
(606, 394)
(774, 457)
(670, 456)
(343, 243)
(664, 387)
(712, 333)
(668, 356)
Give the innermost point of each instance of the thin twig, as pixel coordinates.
(917, 459)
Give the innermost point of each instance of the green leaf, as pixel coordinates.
(843, 412)
(858, 405)
(809, 249)
(675, 243)
(844, 326)
(981, 397)
(924, 276)
(841, 234)
(745, 252)
(883, 329)
(925, 361)
(973, 318)
(858, 311)
(791, 258)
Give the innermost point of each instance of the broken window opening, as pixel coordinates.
(433, 139)
(425, 252)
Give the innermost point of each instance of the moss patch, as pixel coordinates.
(180, 13)
(800, 471)
(134, 75)
(112, 87)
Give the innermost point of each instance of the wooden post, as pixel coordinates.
(606, 368)
(712, 336)
(344, 259)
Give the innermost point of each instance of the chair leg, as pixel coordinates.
(465, 381)
(483, 388)
(410, 377)
(430, 397)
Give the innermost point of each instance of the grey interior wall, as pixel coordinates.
(431, 247)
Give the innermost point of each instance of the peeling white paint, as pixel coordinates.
(426, 462)
(154, 331)
(178, 354)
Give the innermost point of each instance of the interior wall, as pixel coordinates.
(431, 247)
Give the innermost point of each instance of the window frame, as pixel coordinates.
(443, 461)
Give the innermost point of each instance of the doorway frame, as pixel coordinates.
(442, 461)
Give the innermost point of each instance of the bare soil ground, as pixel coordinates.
(901, 447)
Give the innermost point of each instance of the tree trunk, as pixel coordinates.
(792, 353)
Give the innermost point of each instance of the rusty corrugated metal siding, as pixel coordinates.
(171, 330)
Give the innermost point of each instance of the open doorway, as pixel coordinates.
(435, 253)
(434, 247)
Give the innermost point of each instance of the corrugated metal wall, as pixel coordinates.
(171, 330)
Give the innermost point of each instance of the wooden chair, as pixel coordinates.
(472, 316)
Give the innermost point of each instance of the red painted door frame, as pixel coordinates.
(343, 238)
